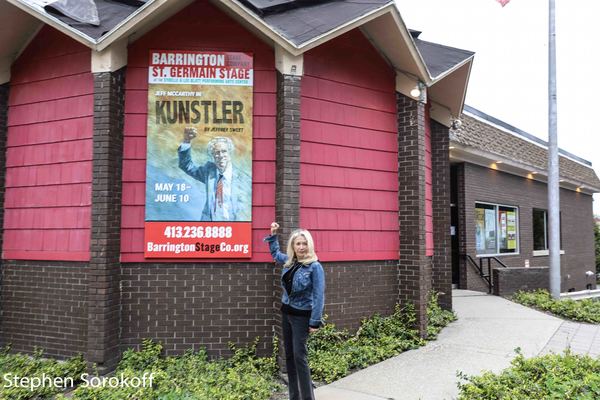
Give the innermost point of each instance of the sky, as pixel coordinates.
(509, 77)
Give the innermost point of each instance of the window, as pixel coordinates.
(496, 229)
(540, 229)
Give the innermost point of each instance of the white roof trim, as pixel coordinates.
(451, 70)
(426, 75)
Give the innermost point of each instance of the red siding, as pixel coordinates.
(212, 30)
(428, 188)
(49, 151)
(349, 151)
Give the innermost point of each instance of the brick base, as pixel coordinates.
(44, 305)
(188, 306)
(507, 281)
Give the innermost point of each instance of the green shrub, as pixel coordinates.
(35, 368)
(244, 376)
(436, 317)
(586, 310)
(334, 353)
(555, 376)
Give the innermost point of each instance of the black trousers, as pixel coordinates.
(295, 335)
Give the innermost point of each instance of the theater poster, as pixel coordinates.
(199, 155)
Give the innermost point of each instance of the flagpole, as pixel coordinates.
(553, 167)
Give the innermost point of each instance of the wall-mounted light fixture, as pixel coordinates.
(419, 92)
(456, 124)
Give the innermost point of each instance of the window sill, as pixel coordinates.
(497, 255)
(540, 253)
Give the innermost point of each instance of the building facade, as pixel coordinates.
(500, 209)
(340, 146)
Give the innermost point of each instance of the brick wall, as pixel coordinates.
(356, 290)
(507, 281)
(414, 271)
(103, 289)
(188, 306)
(44, 305)
(487, 185)
(442, 263)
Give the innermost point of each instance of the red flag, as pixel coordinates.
(503, 2)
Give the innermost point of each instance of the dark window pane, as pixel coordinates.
(539, 230)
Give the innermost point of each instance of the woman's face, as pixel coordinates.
(300, 246)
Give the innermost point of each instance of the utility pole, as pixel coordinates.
(553, 166)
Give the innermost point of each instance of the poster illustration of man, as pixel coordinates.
(226, 185)
(199, 138)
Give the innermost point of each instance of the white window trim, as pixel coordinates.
(540, 253)
(518, 250)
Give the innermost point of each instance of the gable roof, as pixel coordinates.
(295, 25)
(495, 140)
(301, 22)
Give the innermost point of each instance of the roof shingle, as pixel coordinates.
(489, 138)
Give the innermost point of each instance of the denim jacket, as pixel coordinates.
(308, 286)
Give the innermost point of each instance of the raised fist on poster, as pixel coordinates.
(189, 134)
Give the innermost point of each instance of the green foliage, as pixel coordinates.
(586, 310)
(597, 241)
(244, 376)
(555, 376)
(334, 353)
(436, 317)
(41, 372)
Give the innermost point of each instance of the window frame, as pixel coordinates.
(517, 224)
(546, 250)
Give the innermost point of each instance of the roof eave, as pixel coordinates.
(445, 86)
(464, 153)
(55, 23)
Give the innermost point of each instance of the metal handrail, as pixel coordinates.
(479, 266)
(487, 278)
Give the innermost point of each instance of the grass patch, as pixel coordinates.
(38, 370)
(334, 353)
(556, 376)
(586, 310)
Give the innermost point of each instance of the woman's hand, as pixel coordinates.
(274, 227)
(312, 330)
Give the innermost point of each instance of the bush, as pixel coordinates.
(436, 317)
(586, 310)
(36, 367)
(555, 376)
(244, 376)
(334, 353)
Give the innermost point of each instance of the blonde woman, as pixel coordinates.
(303, 283)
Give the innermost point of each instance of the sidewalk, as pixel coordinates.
(488, 330)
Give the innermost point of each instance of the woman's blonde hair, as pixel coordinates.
(310, 257)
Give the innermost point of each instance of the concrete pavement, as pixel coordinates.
(488, 331)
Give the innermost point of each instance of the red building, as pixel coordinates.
(350, 140)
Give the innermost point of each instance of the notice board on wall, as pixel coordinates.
(199, 155)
